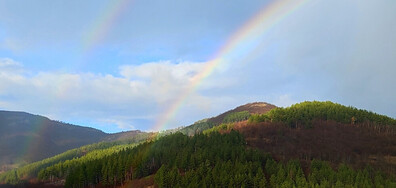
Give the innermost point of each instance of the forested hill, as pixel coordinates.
(26, 138)
(302, 115)
(322, 130)
(311, 144)
(239, 113)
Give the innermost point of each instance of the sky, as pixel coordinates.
(153, 64)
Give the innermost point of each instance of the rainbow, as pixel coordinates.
(254, 28)
(104, 23)
(39, 128)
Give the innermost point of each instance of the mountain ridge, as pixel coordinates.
(26, 137)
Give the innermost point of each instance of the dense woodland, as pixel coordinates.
(204, 160)
(205, 124)
(302, 115)
(89, 152)
(311, 144)
(239, 113)
(197, 127)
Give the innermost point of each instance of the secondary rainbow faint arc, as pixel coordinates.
(266, 18)
(104, 23)
(39, 127)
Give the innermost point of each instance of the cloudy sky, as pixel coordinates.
(122, 65)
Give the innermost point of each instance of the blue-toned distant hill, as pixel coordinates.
(26, 138)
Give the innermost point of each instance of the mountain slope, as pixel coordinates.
(26, 138)
(356, 145)
(87, 152)
(239, 113)
(322, 130)
(206, 160)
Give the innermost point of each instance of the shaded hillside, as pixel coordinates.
(26, 138)
(237, 114)
(356, 145)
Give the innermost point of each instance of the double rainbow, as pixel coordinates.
(253, 29)
(248, 34)
(104, 23)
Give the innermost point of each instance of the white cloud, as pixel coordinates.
(180, 71)
(284, 101)
(121, 124)
(5, 62)
(163, 80)
(143, 90)
(9, 65)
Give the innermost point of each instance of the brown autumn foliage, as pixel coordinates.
(356, 145)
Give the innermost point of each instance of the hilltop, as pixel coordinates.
(252, 108)
(239, 113)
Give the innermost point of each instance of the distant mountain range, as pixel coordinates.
(26, 138)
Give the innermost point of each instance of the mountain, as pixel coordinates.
(310, 144)
(322, 130)
(26, 138)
